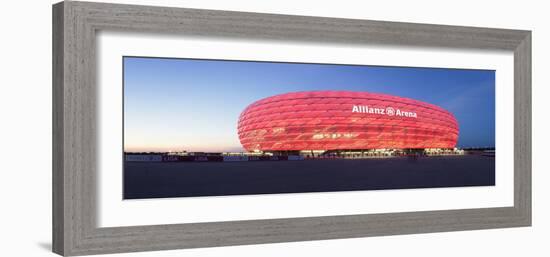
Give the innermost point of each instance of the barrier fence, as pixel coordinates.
(221, 158)
(176, 158)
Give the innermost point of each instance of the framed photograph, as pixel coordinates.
(183, 128)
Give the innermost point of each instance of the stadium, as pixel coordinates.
(345, 123)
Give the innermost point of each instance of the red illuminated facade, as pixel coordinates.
(344, 120)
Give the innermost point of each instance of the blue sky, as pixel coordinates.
(193, 105)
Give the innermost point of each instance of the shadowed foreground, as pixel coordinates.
(180, 179)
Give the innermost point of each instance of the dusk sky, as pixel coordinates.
(194, 105)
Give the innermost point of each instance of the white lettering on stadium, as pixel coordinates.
(390, 111)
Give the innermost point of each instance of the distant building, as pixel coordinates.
(344, 121)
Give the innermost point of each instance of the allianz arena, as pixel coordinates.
(344, 121)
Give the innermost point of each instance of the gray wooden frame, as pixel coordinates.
(75, 25)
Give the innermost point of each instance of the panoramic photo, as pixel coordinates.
(197, 127)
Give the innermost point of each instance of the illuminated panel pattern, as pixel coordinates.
(344, 120)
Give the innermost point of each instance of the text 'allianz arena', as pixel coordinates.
(344, 120)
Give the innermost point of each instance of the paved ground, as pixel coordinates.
(154, 180)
